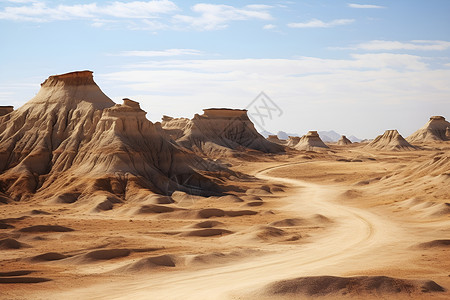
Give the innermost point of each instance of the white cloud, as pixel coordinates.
(320, 92)
(162, 53)
(40, 12)
(397, 45)
(217, 16)
(354, 5)
(269, 26)
(315, 23)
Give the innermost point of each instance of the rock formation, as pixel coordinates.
(434, 130)
(4, 110)
(310, 141)
(344, 141)
(274, 139)
(292, 141)
(390, 140)
(218, 130)
(72, 141)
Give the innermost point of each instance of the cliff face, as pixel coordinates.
(292, 141)
(71, 138)
(218, 131)
(390, 140)
(4, 110)
(434, 130)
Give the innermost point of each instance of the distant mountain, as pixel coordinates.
(284, 136)
(354, 139)
(329, 136)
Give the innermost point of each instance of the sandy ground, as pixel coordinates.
(343, 212)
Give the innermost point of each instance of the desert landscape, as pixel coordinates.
(98, 202)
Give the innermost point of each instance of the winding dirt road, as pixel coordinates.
(357, 240)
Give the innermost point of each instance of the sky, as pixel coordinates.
(356, 67)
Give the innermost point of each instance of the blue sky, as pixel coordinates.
(357, 67)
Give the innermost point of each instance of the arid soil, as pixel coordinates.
(343, 222)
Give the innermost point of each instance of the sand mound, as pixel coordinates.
(4, 225)
(23, 279)
(266, 233)
(293, 141)
(4, 110)
(229, 199)
(344, 141)
(310, 141)
(208, 224)
(434, 130)
(255, 203)
(15, 273)
(240, 213)
(211, 212)
(214, 258)
(289, 222)
(7, 244)
(390, 140)
(150, 263)
(39, 212)
(435, 244)
(106, 254)
(50, 256)
(251, 198)
(46, 228)
(218, 131)
(350, 286)
(207, 232)
(83, 142)
(155, 209)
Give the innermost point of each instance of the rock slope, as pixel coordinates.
(218, 131)
(390, 140)
(71, 141)
(434, 130)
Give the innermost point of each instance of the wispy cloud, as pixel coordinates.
(425, 45)
(315, 23)
(354, 5)
(218, 16)
(269, 26)
(363, 83)
(162, 53)
(40, 12)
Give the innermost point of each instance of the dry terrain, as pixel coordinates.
(343, 222)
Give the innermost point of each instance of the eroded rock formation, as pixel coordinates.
(71, 141)
(390, 140)
(434, 130)
(310, 141)
(344, 141)
(218, 131)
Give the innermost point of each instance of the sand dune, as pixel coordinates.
(8, 243)
(351, 286)
(435, 244)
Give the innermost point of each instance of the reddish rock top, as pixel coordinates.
(437, 118)
(224, 112)
(72, 78)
